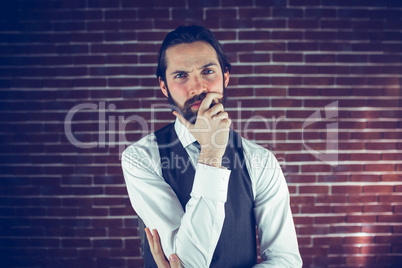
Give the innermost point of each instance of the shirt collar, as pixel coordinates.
(185, 137)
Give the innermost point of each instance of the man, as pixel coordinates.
(197, 182)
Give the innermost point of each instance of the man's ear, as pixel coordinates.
(226, 78)
(163, 87)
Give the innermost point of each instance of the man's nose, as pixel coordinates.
(197, 86)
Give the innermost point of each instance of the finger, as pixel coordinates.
(206, 103)
(149, 238)
(174, 261)
(215, 110)
(182, 119)
(156, 237)
(155, 247)
(157, 244)
(221, 116)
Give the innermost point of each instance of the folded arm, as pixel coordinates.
(191, 234)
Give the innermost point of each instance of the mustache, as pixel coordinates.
(187, 105)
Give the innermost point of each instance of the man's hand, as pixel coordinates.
(211, 130)
(157, 252)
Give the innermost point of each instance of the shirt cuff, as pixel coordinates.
(211, 182)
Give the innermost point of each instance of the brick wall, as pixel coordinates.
(315, 81)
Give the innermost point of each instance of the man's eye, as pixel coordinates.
(180, 76)
(209, 72)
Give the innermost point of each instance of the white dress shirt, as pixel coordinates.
(194, 233)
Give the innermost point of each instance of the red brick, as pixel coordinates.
(361, 218)
(347, 209)
(289, 57)
(269, 69)
(316, 168)
(319, 35)
(377, 208)
(375, 249)
(381, 146)
(347, 189)
(150, 36)
(338, 47)
(376, 229)
(378, 189)
(367, 178)
(391, 177)
(287, 12)
(383, 103)
(320, 12)
(147, 13)
(300, 157)
(365, 114)
(313, 189)
(107, 243)
(391, 198)
(303, 220)
(380, 167)
(313, 231)
(388, 238)
(346, 249)
(269, 23)
(327, 241)
(238, 47)
(313, 251)
(356, 260)
(256, 57)
(75, 243)
(348, 168)
(390, 218)
(366, 135)
(269, 92)
(392, 135)
(270, 46)
(345, 228)
(286, 80)
(302, 199)
(384, 59)
(330, 199)
(329, 220)
(359, 240)
(335, 24)
(390, 113)
(254, 35)
(302, 69)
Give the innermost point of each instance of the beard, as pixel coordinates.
(185, 110)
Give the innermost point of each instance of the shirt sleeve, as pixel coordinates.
(276, 230)
(193, 234)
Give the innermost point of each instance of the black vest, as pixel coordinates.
(237, 243)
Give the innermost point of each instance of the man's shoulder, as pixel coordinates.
(142, 146)
(252, 148)
(147, 144)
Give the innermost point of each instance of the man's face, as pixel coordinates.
(192, 71)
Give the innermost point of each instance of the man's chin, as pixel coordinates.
(192, 117)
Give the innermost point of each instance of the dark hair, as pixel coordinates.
(190, 34)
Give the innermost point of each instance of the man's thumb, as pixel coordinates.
(174, 261)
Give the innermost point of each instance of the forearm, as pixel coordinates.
(202, 222)
(192, 234)
(198, 235)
